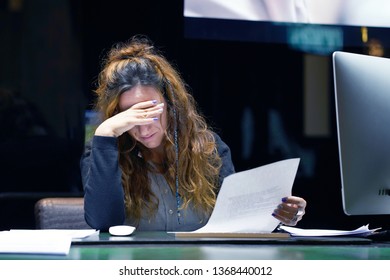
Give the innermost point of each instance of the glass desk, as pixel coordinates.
(162, 246)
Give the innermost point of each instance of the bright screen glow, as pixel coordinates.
(321, 26)
(374, 13)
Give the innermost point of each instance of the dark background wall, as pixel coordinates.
(253, 94)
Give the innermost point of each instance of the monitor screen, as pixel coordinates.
(363, 119)
(320, 26)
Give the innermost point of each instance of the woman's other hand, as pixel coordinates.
(291, 210)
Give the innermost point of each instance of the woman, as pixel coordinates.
(153, 162)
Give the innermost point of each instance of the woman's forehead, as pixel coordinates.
(138, 94)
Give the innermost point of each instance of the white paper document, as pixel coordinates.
(361, 231)
(72, 233)
(46, 241)
(247, 199)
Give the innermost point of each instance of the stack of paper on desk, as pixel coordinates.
(247, 200)
(361, 231)
(46, 241)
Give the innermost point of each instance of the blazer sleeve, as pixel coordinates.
(101, 177)
(227, 163)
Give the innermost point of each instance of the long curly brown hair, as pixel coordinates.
(138, 62)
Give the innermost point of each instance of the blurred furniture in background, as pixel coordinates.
(60, 213)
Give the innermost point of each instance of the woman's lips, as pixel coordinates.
(146, 138)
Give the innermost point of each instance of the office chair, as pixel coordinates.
(60, 213)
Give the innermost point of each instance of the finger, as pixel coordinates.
(285, 212)
(290, 221)
(290, 209)
(150, 113)
(300, 212)
(289, 213)
(295, 200)
(145, 104)
(156, 110)
(286, 218)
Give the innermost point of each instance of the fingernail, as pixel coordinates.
(155, 119)
(154, 101)
(284, 199)
(273, 214)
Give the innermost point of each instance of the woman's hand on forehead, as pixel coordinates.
(142, 113)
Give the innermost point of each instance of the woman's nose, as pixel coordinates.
(144, 129)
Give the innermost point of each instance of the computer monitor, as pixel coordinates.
(362, 98)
